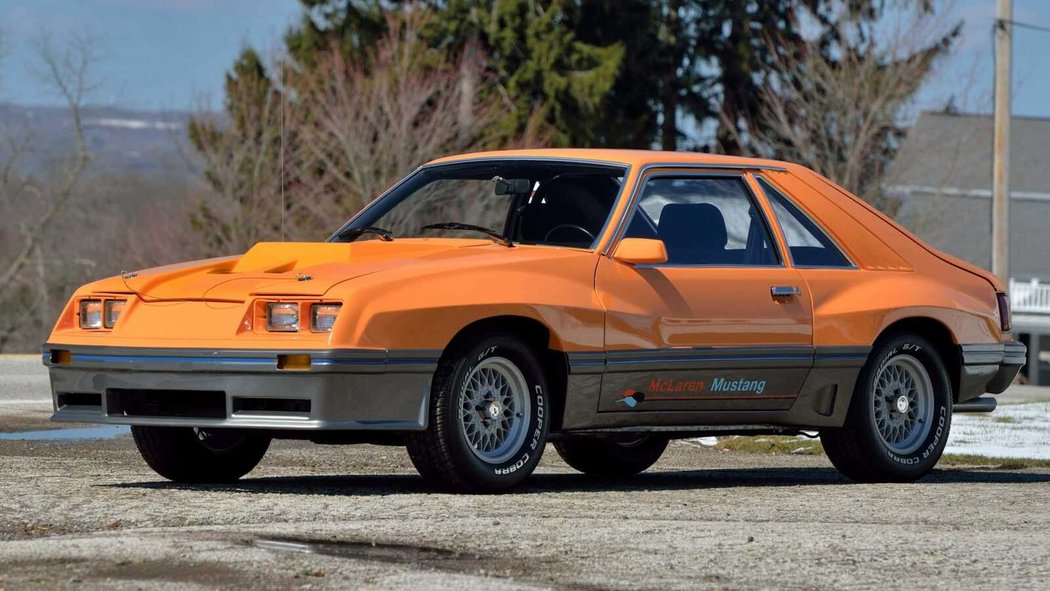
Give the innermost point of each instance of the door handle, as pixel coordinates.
(784, 291)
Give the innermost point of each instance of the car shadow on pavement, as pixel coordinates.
(392, 484)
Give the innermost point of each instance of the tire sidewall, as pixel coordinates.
(178, 454)
(923, 458)
(515, 469)
(646, 450)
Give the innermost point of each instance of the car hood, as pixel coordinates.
(293, 269)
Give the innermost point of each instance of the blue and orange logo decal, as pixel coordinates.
(631, 398)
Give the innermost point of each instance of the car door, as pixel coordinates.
(724, 324)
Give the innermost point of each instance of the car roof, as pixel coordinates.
(626, 157)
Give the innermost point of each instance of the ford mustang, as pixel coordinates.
(604, 301)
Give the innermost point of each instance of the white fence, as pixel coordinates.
(1030, 297)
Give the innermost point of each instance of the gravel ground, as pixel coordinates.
(325, 516)
(91, 513)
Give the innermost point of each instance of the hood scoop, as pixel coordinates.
(293, 269)
(268, 268)
(285, 257)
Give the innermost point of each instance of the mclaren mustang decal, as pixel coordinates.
(671, 389)
(745, 386)
(668, 386)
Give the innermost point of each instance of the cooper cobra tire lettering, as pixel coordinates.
(537, 435)
(938, 432)
(515, 466)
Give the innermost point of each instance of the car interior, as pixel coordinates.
(697, 234)
(567, 210)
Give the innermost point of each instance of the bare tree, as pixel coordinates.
(66, 68)
(840, 111)
(240, 159)
(318, 142)
(366, 126)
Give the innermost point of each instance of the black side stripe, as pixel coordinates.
(840, 356)
(715, 358)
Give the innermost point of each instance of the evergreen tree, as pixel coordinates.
(544, 67)
(674, 74)
(355, 25)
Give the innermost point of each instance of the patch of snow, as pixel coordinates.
(133, 124)
(1019, 431)
(1012, 431)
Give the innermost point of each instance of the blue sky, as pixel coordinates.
(156, 54)
(167, 54)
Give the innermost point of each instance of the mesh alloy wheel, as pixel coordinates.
(903, 404)
(494, 410)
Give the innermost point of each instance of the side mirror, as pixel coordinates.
(641, 251)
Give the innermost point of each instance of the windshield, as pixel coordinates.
(554, 203)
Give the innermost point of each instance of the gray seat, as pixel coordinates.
(693, 233)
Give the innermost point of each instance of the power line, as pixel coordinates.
(1025, 25)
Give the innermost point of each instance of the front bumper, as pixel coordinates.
(989, 368)
(262, 389)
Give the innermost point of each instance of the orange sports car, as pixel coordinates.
(605, 301)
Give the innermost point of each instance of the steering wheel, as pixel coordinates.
(547, 237)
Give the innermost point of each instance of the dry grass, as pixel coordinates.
(997, 463)
(771, 444)
(786, 445)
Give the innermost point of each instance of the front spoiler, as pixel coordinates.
(335, 390)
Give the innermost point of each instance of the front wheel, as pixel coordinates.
(188, 454)
(488, 417)
(611, 457)
(899, 417)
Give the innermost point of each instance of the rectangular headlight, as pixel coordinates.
(91, 314)
(282, 317)
(322, 316)
(112, 311)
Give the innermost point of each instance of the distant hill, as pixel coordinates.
(122, 141)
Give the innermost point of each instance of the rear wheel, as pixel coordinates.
(611, 457)
(188, 454)
(899, 417)
(488, 417)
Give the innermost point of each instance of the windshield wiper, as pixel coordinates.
(494, 235)
(384, 234)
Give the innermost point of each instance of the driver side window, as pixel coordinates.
(703, 221)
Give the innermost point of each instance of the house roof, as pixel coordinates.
(943, 175)
(954, 151)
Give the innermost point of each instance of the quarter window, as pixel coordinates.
(703, 221)
(808, 244)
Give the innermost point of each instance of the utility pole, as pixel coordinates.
(1001, 142)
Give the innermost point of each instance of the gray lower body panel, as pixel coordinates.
(341, 390)
(989, 368)
(802, 388)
